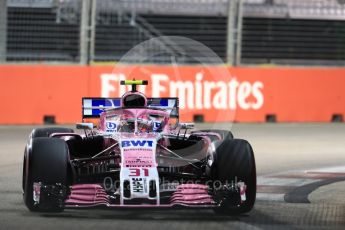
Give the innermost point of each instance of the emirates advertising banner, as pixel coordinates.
(212, 92)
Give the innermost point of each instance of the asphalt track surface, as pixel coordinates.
(301, 185)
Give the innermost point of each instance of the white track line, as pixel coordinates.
(270, 197)
(281, 180)
(338, 169)
(276, 181)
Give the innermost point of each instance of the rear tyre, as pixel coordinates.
(45, 161)
(234, 161)
(46, 132)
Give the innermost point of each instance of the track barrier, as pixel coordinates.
(36, 94)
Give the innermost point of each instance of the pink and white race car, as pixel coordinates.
(138, 156)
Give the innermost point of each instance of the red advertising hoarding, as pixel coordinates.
(219, 93)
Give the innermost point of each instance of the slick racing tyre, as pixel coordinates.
(234, 162)
(45, 132)
(226, 135)
(45, 161)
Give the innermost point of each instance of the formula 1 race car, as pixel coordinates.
(138, 155)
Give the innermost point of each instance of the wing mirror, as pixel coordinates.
(85, 126)
(186, 125)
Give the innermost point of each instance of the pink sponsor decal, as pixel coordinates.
(138, 158)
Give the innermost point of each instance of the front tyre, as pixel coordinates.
(234, 162)
(45, 161)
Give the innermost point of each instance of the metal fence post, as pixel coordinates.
(84, 32)
(93, 30)
(230, 35)
(239, 32)
(3, 30)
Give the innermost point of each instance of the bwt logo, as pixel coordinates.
(156, 126)
(111, 125)
(136, 143)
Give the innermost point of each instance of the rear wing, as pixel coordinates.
(92, 107)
